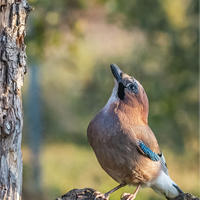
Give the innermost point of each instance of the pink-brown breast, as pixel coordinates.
(113, 137)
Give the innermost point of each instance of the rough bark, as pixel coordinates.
(90, 194)
(13, 17)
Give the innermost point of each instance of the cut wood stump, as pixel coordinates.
(90, 194)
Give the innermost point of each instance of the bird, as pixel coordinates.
(125, 146)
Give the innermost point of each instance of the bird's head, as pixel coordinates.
(130, 94)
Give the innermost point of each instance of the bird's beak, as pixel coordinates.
(116, 71)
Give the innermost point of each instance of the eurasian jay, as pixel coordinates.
(124, 144)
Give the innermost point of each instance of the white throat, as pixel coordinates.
(114, 97)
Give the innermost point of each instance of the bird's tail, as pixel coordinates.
(165, 186)
(177, 188)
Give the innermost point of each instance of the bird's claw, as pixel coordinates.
(101, 196)
(127, 196)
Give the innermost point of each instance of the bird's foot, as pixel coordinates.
(128, 196)
(101, 196)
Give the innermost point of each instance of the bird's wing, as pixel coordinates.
(147, 151)
(163, 163)
(152, 155)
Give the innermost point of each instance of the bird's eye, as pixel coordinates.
(133, 87)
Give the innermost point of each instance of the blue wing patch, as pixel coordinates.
(147, 151)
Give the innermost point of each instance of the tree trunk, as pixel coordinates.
(13, 16)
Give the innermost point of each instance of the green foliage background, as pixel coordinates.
(73, 42)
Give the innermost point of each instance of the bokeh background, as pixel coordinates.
(70, 45)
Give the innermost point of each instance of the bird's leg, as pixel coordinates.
(116, 188)
(131, 196)
(106, 195)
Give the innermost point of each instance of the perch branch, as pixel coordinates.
(90, 194)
